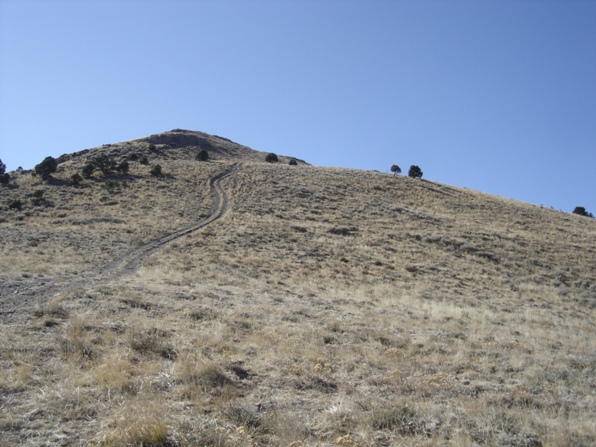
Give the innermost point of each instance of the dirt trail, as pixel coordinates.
(15, 295)
(130, 261)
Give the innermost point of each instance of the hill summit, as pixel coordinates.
(177, 143)
(237, 302)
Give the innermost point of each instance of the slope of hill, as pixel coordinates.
(241, 303)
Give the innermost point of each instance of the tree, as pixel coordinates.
(203, 155)
(415, 172)
(271, 158)
(580, 210)
(46, 168)
(4, 177)
(395, 169)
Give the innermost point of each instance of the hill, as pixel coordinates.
(235, 302)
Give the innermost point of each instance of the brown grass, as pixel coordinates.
(329, 307)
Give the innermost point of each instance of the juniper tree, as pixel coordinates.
(46, 168)
(415, 172)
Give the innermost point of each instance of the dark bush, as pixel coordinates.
(271, 158)
(112, 186)
(75, 179)
(293, 162)
(156, 171)
(4, 177)
(15, 205)
(46, 168)
(104, 163)
(581, 211)
(123, 167)
(395, 169)
(144, 160)
(133, 157)
(88, 170)
(37, 198)
(415, 172)
(203, 155)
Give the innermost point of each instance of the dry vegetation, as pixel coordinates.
(328, 307)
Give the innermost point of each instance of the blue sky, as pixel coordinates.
(496, 96)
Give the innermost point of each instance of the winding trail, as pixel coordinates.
(17, 295)
(129, 262)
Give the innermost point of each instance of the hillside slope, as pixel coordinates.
(271, 304)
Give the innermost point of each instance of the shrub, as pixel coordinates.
(112, 186)
(2, 168)
(395, 169)
(415, 172)
(123, 167)
(15, 205)
(203, 155)
(156, 171)
(581, 211)
(88, 170)
(401, 419)
(293, 162)
(37, 198)
(271, 158)
(133, 157)
(75, 179)
(46, 168)
(104, 163)
(143, 160)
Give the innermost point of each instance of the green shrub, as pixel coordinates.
(415, 172)
(75, 179)
(112, 186)
(271, 158)
(104, 163)
(46, 168)
(156, 171)
(123, 167)
(88, 170)
(293, 162)
(144, 160)
(2, 168)
(395, 169)
(203, 155)
(15, 205)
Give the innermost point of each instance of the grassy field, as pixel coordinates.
(326, 307)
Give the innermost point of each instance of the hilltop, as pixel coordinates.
(236, 302)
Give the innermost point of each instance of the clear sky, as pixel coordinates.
(496, 96)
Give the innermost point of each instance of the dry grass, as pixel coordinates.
(329, 307)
